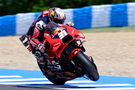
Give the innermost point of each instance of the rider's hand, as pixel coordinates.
(70, 24)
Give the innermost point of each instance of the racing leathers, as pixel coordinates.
(35, 35)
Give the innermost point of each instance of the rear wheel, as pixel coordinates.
(88, 65)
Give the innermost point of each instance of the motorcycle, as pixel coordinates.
(65, 55)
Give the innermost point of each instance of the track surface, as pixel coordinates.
(12, 79)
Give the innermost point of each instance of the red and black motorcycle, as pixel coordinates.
(65, 57)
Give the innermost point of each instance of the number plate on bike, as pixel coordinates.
(62, 34)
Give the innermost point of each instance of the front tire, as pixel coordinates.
(88, 66)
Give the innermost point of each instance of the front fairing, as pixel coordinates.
(61, 36)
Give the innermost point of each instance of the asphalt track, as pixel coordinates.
(11, 87)
(12, 79)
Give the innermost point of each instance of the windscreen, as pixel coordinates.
(51, 26)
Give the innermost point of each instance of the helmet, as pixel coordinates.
(57, 15)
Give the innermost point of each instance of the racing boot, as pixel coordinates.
(24, 39)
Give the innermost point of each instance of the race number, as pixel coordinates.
(62, 34)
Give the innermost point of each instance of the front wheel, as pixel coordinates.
(88, 65)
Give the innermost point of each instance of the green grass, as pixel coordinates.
(109, 29)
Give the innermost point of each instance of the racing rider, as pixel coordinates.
(38, 28)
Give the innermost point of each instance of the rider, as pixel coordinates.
(38, 27)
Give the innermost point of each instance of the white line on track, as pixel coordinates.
(34, 79)
(29, 79)
(81, 81)
(12, 76)
(126, 88)
(79, 85)
(23, 83)
(103, 85)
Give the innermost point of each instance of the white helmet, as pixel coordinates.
(57, 15)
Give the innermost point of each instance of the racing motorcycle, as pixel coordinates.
(65, 57)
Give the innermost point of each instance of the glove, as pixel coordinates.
(70, 24)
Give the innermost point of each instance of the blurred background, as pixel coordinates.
(21, 6)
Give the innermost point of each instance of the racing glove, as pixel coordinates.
(70, 24)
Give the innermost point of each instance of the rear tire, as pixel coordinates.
(88, 65)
